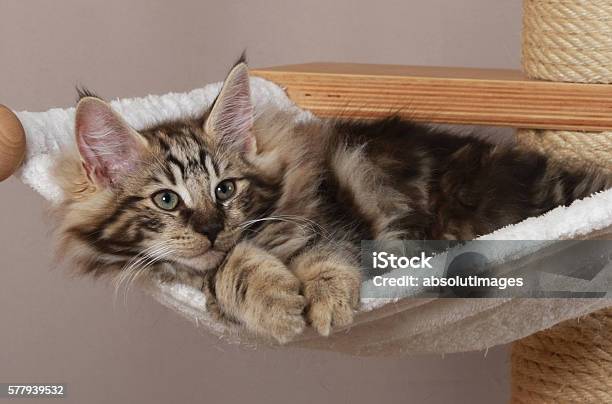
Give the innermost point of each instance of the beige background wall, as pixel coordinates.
(57, 329)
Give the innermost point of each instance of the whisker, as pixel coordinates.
(304, 224)
(133, 264)
(138, 273)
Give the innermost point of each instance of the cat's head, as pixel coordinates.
(180, 192)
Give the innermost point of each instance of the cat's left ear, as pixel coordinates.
(231, 117)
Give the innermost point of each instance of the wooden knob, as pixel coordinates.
(12, 143)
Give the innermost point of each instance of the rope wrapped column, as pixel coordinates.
(567, 40)
(571, 41)
(568, 363)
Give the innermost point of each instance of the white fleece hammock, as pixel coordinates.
(383, 327)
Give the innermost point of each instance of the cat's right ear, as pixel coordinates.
(109, 147)
(231, 116)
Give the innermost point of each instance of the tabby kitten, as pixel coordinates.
(266, 213)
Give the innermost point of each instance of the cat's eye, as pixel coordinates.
(225, 190)
(166, 200)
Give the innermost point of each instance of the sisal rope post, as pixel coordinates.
(571, 41)
(570, 362)
(567, 40)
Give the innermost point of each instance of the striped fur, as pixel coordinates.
(307, 194)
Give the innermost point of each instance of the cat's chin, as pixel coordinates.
(203, 262)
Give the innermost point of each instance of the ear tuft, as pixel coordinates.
(108, 146)
(242, 58)
(231, 117)
(84, 92)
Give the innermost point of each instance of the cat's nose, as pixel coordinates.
(211, 230)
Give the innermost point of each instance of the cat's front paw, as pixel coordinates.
(274, 305)
(332, 293)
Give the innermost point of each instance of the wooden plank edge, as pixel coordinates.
(499, 98)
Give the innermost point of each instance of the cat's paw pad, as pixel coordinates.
(332, 297)
(276, 309)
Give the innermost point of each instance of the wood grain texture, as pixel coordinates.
(444, 95)
(12, 143)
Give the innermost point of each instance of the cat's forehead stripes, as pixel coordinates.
(211, 167)
(189, 148)
(212, 173)
(188, 162)
(176, 145)
(182, 188)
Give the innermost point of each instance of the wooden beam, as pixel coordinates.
(444, 95)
